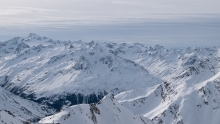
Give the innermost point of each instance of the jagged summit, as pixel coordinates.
(107, 111)
(158, 47)
(33, 35)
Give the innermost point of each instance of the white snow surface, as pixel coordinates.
(8, 118)
(21, 109)
(107, 111)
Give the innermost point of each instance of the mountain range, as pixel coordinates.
(159, 85)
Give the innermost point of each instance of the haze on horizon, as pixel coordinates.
(170, 23)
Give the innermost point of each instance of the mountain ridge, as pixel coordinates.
(57, 70)
(106, 111)
(164, 85)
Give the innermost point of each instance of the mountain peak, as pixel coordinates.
(106, 111)
(158, 47)
(33, 35)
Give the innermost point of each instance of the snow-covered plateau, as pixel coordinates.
(167, 86)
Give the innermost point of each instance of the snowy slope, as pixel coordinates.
(107, 111)
(190, 89)
(8, 118)
(24, 110)
(65, 72)
(177, 102)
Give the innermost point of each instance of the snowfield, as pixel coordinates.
(168, 86)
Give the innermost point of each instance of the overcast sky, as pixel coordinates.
(172, 23)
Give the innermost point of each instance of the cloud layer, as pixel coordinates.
(182, 22)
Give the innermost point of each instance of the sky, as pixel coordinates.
(171, 23)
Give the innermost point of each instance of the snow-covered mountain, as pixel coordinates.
(106, 111)
(177, 103)
(21, 109)
(67, 73)
(169, 86)
(189, 93)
